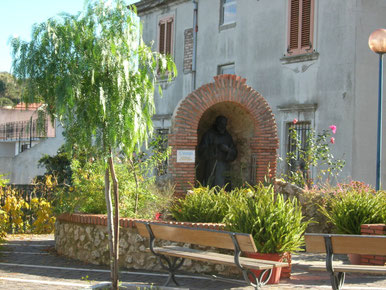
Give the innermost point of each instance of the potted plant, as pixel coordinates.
(352, 205)
(277, 225)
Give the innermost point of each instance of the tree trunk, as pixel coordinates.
(131, 162)
(110, 221)
(116, 221)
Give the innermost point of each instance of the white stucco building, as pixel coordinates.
(22, 144)
(308, 58)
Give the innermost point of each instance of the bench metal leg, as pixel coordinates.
(173, 263)
(172, 266)
(337, 280)
(257, 282)
(249, 276)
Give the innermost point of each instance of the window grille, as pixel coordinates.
(302, 130)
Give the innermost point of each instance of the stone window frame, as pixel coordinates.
(163, 80)
(296, 48)
(165, 20)
(222, 67)
(303, 129)
(223, 23)
(287, 113)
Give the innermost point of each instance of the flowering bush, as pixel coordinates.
(44, 220)
(315, 153)
(354, 204)
(18, 215)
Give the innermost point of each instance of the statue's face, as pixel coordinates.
(221, 125)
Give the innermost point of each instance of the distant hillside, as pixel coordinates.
(10, 91)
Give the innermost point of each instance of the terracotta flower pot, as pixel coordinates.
(355, 259)
(275, 277)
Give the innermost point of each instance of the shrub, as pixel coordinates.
(277, 225)
(140, 196)
(19, 215)
(355, 204)
(202, 204)
(44, 221)
(313, 153)
(3, 214)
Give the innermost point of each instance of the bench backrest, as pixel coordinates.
(347, 244)
(198, 236)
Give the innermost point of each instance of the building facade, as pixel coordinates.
(309, 59)
(23, 142)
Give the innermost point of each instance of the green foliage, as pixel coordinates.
(58, 165)
(2, 88)
(315, 154)
(97, 77)
(19, 214)
(95, 73)
(202, 204)
(5, 102)
(140, 196)
(276, 225)
(9, 89)
(355, 204)
(3, 180)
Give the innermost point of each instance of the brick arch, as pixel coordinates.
(225, 88)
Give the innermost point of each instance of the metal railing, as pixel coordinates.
(23, 130)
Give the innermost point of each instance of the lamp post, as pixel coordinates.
(377, 43)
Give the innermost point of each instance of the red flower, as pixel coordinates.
(158, 216)
(333, 129)
(295, 121)
(332, 140)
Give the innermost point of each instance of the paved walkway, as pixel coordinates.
(30, 262)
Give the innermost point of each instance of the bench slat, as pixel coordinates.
(347, 244)
(353, 269)
(217, 258)
(204, 237)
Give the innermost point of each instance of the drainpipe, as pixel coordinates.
(195, 29)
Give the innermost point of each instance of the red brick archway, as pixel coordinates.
(225, 88)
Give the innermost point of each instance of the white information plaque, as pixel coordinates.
(186, 156)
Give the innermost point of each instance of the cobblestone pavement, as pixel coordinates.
(30, 262)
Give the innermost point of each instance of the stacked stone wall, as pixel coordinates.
(85, 238)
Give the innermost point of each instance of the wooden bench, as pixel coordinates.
(172, 257)
(345, 244)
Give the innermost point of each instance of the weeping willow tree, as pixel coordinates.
(97, 78)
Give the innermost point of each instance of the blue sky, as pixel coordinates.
(18, 16)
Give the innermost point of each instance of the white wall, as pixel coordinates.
(339, 80)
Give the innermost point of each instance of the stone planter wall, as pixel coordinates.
(373, 229)
(84, 237)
